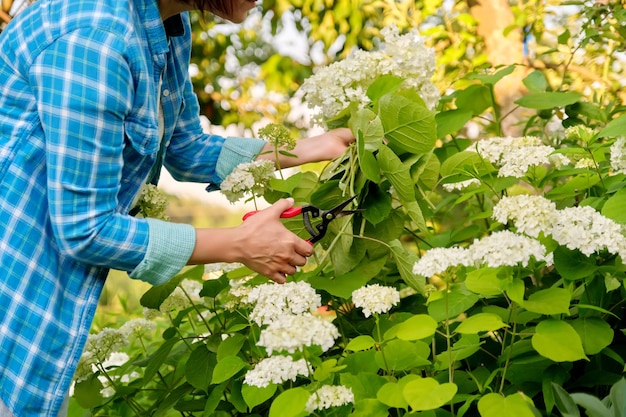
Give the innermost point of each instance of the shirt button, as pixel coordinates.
(166, 93)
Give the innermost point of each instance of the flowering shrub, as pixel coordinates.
(482, 278)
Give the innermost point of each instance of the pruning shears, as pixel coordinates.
(311, 212)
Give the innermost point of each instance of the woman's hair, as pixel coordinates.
(223, 6)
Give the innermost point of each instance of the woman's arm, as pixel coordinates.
(323, 147)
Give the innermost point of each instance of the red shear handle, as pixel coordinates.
(291, 212)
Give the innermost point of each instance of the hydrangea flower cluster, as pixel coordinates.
(503, 248)
(274, 301)
(581, 228)
(531, 214)
(375, 299)
(152, 203)
(328, 396)
(292, 333)
(334, 87)
(515, 155)
(289, 326)
(275, 370)
(183, 296)
(618, 156)
(248, 178)
(461, 185)
(277, 135)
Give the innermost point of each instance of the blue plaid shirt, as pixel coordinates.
(78, 138)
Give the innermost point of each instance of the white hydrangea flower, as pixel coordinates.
(272, 301)
(150, 313)
(152, 202)
(329, 396)
(187, 292)
(276, 370)
(101, 345)
(238, 293)
(618, 156)
(514, 155)
(461, 185)
(558, 160)
(531, 214)
(585, 229)
(505, 248)
(438, 260)
(586, 163)
(248, 178)
(375, 298)
(334, 87)
(291, 333)
(137, 327)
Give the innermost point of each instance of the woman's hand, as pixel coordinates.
(324, 147)
(261, 242)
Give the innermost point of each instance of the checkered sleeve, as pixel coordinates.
(84, 90)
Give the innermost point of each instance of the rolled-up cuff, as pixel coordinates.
(169, 248)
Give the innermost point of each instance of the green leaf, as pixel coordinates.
(536, 82)
(515, 290)
(376, 206)
(572, 264)
(419, 326)
(549, 301)
(564, 402)
(290, 403)
(288, 184)
(405, 261)
(458, 302)
(326, 369)
(408, 124)
(401, 355)
(87, 392)
(230, 346)
(199, 367)
(548, 100)
(157, 359)
(156, 295)
(227, 368)
(371, 128)
(427, 394)
(593, 406)
(343, 285)
(481, 322)
(595, 333)
(492, 78)
(618, 397)
(359, 343)
(214, 399)
(391, 395)
(614, 128)
(558, 341)
(461, 163)
(495, 405)
(451, 121)
(475, 98)
(485, 281)
(369, 407)
(254, 396)
(383, 84)
(212, 287)
(397, 173)
(615, 207)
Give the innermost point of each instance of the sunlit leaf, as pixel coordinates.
(557, 340)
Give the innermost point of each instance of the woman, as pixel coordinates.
(96, 96)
